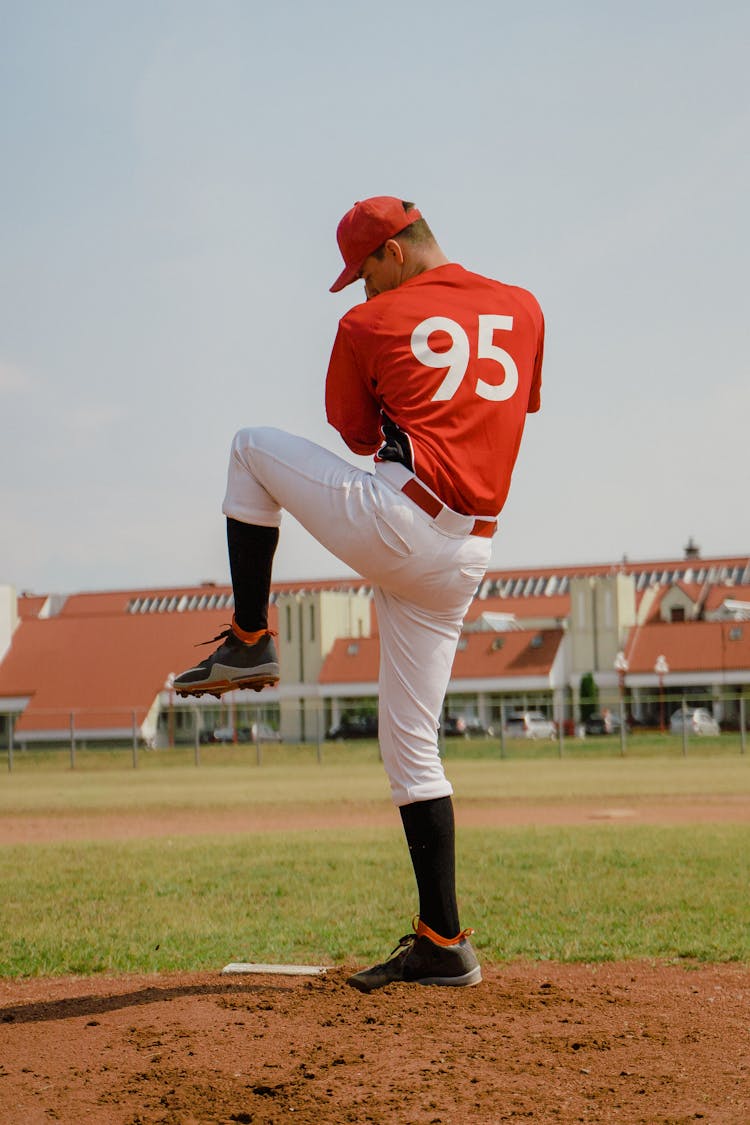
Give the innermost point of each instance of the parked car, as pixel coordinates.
(529, 724)
(261, 732)
(695, 719)
(256, 732)
(603, 722)
(220, 734)
(475, 728)
(354, 726)
(454, 726)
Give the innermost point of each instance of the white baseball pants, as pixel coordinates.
(424, 573)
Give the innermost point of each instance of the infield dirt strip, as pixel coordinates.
(632, 1042)
(24, 829)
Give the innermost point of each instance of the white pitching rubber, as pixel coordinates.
(277, 970)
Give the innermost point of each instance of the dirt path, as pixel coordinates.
(630, 1043)
(542, 1043)
(18, 829)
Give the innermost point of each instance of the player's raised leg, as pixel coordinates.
(270, 471)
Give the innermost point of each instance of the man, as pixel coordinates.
(434, 374)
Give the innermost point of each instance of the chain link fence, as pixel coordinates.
(542, 725)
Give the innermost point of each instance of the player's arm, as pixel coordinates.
(351, 407)
(535, 394)
(537, 318)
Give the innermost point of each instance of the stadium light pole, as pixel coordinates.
(621, 667)
(169, 685)
(661, 668)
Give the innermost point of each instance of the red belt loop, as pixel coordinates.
(422, 498)
(430, 504)
(485, 528)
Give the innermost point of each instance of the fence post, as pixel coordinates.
(318, 725)
(135, 741)
(622, 728)
(72, 741)
(684, 728)
(742, 724)
(11, 725)
(258, 750)
(560, 724)
(502, 729)
(196, 736)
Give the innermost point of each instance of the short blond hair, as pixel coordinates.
(418, 232)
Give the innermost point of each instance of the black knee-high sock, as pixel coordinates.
(251, 551)
(431, 836)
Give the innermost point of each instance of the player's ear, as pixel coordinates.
(395, 250)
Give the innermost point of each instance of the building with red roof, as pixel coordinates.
(95, 666)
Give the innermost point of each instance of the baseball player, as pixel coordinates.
(433, 374)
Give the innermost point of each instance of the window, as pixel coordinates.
(312, 622)
(677, 613)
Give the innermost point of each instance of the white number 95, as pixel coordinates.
(456, 358)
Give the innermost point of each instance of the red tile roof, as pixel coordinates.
(523, 652)
(352, 661)
(30, 605)
(555, 607)
(104, 669)
(717, 595)
(690, 646)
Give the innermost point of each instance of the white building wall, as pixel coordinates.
(309, 625)
(8, 617)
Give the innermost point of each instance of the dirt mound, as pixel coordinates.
(535, 1042)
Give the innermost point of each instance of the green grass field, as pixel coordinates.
(601, 891)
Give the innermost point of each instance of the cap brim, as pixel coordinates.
(346, 277)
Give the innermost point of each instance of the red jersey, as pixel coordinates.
(444, 369)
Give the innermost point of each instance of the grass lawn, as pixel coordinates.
(597, 892)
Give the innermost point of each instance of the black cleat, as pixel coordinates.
(420, 960)
(234, 665)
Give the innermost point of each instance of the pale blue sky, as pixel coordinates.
(172, 176)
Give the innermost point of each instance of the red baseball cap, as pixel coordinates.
(367, 226)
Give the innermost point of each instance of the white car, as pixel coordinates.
(695, 719)
(529, 724)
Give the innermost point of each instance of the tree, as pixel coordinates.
(589, 696)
